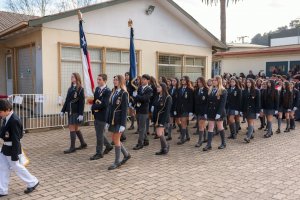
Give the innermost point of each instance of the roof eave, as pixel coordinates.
(14, 28)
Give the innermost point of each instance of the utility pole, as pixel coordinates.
(242, 38)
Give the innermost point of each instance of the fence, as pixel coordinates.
(42, 111)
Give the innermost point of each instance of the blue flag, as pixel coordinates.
(132, 69)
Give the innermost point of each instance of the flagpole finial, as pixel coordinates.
(79, 15)
(130, 23)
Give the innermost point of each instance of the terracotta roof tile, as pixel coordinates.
(8, 19)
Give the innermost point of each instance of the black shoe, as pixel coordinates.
(136, 132)
(69, 151)
(199, 144)
(267, 135)
(222, 146)
(96, 156)
(181, 142)
(29, 190)
(161, 152)
(243, 121)
(292, 128)
(252, 137)
(260, 128)
(123, 138)
(287, 130)
(278, 131)
(204, 141)
(239, 129)
(265, 129)
(169, 138)
(188, 139)
(114, 166)
(156, 137)
(83, 146)
(230, 137)
(138, 147)
(247, 140)
(3, 195)
(146, 142)
(196, 133)
(131, 128)
(179, 137)
(112, 143)
(125, 159)
(108, 149)
(207, 148)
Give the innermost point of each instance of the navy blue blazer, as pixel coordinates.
(118, 105)
(100, 103)
(12, 132)
(201, 97)
(74, 101)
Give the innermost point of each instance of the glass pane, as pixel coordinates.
(95, 55)
(125, 57)
(200, 61)
(175, 60)
(71, 53)
(113, 56)
(164, 60)
(169, 71)
(189, 61)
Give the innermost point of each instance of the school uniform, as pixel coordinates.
(142, 102)
(118, 105)
(286, 103)
(250, 109)
(161, 114)
(234, 100)
(100, 111)
(184, 106)
(269, 105)
(74, 106)
(130, 90)
(200, 109)
(295, 95)
(216, 106)
(11, 132)
(173, 93)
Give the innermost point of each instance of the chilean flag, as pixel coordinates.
(86, 64)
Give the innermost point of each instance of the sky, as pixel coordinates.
(245, 18)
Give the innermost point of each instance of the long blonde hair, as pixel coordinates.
(220, 86)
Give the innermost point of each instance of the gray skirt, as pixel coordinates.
(114, 128)
(269, 111)
(250, 115)
(200, 117)
(72, 119)
(230, 112)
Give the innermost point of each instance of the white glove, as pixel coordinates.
(134, 93)
(122, 129)
(175, 113)
(236, 112)
(262, 110)
(205, 116)
(218, 116)
(130, 104)
(289, 110)
(152, 109)
(191, 114)
(276, 112)
(257, 115)
(61, 114)
(80, 118)
(106, 126)
(241, 113)
(295, 108)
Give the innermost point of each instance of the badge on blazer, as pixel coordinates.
(235, 93)
(75, 95)
(203, 98)
(218, 97)
(161, 103)
(138, 104)
(185, 95)
(6, 135)
(98, 101)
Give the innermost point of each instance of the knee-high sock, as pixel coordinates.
(279, 122)
(209, 138)
(124, 151)
(170, 130)
(222, 135)
(73, 139)
(80, 137)
(200, 137)
(163, 142)
(250, 131)
(117, 156)
(288, 124)
(261, 119)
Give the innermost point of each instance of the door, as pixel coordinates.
(9, 75)
(25, 69)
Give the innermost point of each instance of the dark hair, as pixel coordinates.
(152, 81)
(78, 80)
(127, 73)
(163, 79)
(271, 91)
(203, 82)
(164, 88)
(177, 83)
(236, 82)
(188, 82)
(252, 88)
(146, 76)
(103, 76)
(5, 105)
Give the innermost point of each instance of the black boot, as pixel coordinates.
(83, 145)
(169, 137)
(287, 126)
(205, 136)
(117, 162)
(231, 131)
(262, 126)
(199, 143)
(223, 144)
(292, 124)
(209, 140)
(187, 135)
(182, 137)
(72, 148)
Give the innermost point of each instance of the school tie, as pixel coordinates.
(214, 91)
(200, 91)
(115, 94)
(3, 122)
(182, 92)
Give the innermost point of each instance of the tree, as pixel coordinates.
(44, 7)
(295, 23)
(222, 14)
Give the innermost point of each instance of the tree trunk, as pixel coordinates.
(223, 20)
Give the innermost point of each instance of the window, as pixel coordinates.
(117, 63)
(71, 62)
(173, 66)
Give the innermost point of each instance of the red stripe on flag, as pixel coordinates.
(90, 71)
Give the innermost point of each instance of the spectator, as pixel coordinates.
(242, 75)
(251, 75)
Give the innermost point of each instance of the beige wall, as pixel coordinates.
(50, 54)
(244, 64)
(2, 71)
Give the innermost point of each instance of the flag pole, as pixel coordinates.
(130, 25)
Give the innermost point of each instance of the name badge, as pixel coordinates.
(203, 98)
(138, 104)
(118, 101)
(6, 135)
(235, 93)
(75, 95)
(185, 95)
